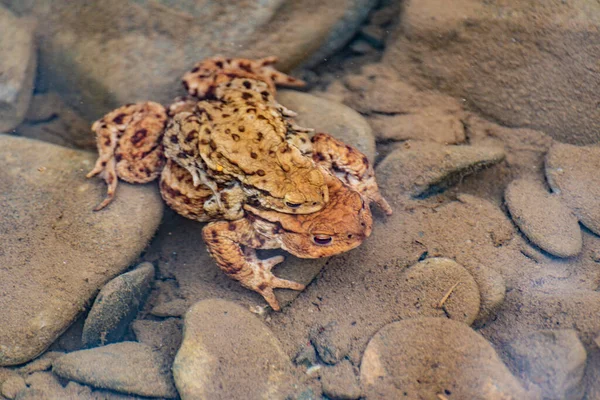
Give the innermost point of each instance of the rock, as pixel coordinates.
(117, 305)
(427, 357)
(12, 386)
(543, 218)
(163, 336)
(330, 343)
(50, 120)
(18, 63)
(42, 385)
(228, 353)
(572, 173)
(507, 59)
(492, 290)
(438, 287)
(56, 252)
(102, 55)
(127, 367)
(340, 382)
(431, 124)
(554, 360)
(342, 31)
(420, 169)
(330, 117)
(174, 308)
(307, 356)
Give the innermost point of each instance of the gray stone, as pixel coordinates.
(163, 336)
(127, 367)
(438, 287)
(554, 360)
(331, 344)
(116, 306)
(514, 61)
(340, 381)
(572, 173)
(18, 63)
(327, 116)
(492, 290)
(56, 252)
(101, 55)
(543, 218)
(228, 353)
(419, 169)
(12, 386)
(426, 357)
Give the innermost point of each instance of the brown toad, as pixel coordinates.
(343, 224)
(235, 131)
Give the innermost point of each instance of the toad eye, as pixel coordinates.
(322, 240)
(292, 205)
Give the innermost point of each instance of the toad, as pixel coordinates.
(343, 224)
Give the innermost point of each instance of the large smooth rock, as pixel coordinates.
(100, 55)
(421, 358)
(529, 64)
(543, 218)
(572, 173)
(554, 360)
(330, 117)
(116, 306)
(127, 367)
(228, 353)
(56, 252)
(18, 61)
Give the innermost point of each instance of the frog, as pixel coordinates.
(231, 128)
(342, 225)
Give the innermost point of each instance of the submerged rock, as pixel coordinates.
(419, 169)
(427, 357)
(56, 252)
(438, 287)
(340, 382)
(228, 353)
(543, 218)
(127, 367)
(18, 62)
(572, 173)
(554, 360)
(116, 306)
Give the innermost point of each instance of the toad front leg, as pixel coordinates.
(350, 165)
(224, 241)
(129, 141)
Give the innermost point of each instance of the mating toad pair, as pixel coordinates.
(229, 154)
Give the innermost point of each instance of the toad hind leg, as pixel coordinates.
(129, 141)
(224, 241)
(350, 165)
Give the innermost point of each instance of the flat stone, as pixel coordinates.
(543, 218)
(56, 252)
(492, 290)
(329, 341)
(128, 367)
(427, 357)
(430, 124)
(101, 55)
(419, 169)
(228, 353)
(475, 50)
(18, 61)
(572, 173)
(163, 336)
(554, 360)
(116, 306)
(12, 386)
(438, 287)
(340, 381)
(330, 117)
